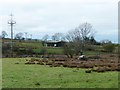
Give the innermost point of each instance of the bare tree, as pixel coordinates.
(69, 49)
(53, 37)
(86, 30)
(19, 36)
(58, 37)
(63, 37)
(45, 37)
(106, 42)
(73, 35)
(79, 37)
(4, 34)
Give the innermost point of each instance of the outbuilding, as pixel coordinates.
(54, 43)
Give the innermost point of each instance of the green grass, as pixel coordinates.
(41, 76)
(29, 44)
(37, 46)
(55, 50)
(94, 53)
(50, 50)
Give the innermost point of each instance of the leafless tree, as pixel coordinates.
(69, 50)
(80, 37)
(86, 30)
(4, 34)
(19, 36)
(58, 37)
(45, 37)
(73, 35)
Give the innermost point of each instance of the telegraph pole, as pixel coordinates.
(11, 22)
(26, 35)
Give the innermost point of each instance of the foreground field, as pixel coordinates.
(18, 75)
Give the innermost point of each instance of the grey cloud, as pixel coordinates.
(62, 16)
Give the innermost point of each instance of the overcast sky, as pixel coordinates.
(40, 17)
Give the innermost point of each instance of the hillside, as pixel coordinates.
(29, 47)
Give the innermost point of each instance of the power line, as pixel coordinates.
(11, 22)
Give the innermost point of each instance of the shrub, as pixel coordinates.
(6, 48)
(109, 47)
(69, 50)
(43, 51)
(89, 48)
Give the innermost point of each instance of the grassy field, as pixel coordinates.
(55, 50)
(38, 46)
(29, 44)
(18, 75)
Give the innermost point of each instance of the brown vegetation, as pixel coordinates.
(105, 63)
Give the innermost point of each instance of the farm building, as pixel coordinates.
(54, 43)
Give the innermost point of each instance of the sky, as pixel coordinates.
(40, 17)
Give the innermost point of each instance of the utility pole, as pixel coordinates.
(26, 35)
(11, 22)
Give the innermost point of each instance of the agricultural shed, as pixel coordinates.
(55, 43)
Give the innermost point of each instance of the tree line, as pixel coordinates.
(78, 40)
